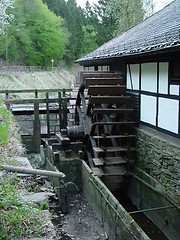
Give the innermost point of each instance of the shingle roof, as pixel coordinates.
(160, 31)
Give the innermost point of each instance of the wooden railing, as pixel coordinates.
(48, 106)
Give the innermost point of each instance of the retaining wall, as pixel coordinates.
(159, 156)
(156, 181)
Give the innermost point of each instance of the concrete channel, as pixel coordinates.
(118, 222)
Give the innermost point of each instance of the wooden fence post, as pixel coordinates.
(60, 111)
(37, 128)
(47, 114)
(64, 113)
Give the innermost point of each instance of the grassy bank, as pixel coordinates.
(19, 220)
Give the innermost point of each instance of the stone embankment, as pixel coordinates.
(159, 156)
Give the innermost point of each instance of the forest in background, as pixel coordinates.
(33, 32)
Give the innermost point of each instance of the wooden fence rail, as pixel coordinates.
(54, 108)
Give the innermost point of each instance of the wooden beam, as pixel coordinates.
(33, 171)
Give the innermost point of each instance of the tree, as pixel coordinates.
(126, 13)
(73, 21)
(35, 35)
(104, 23)
(5, 14)
(89, 39)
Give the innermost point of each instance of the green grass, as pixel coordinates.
(4, 124)
(17, 219)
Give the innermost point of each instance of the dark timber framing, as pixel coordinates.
(157, 95)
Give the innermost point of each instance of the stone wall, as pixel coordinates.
(159, 156)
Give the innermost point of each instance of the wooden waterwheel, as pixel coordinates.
(102, 114)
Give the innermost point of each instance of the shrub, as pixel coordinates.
(4, 123)
(17, 219)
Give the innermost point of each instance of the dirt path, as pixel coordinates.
(80, 223)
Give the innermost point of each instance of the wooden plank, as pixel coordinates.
(103, 81)
(98, 161)
(37, 128)
(64, 119)
(114, 136)
(62, 139)
(60, 110)
(106, 90)
(96, 74)
(114, 171)
(31, 100)
(115, 160)
(112, 123)
(33, 171)
(113, 149)
(109, 99)
(47, 114)
(111, 111)
(97, 171)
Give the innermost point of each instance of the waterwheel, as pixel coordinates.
(102, 119)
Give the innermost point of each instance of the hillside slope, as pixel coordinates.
(36, 80)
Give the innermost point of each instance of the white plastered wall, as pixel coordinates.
(163, 78)
(149, 77)
(133, 76)
(168, 114)
(148, 109)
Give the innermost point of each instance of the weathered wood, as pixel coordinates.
(98, 161)
(106, 90)
(60, 110)
(151, 209)
(103, 81)
(115, 160)
(33, 171)
(37, 128)
(47, 114)
(114, 171)
(109, 99)
(112, 149)
(34, 90)
(111, 111)
(104, 136)
(31, 100)
(64, 141)
(65, 113)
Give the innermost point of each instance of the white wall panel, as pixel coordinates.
(163, 78)
(174, 90)
(134, 75)
(149, 77)
(148, 109)
(129, 86)
(168, 114)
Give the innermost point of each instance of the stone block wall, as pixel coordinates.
(159, 156)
